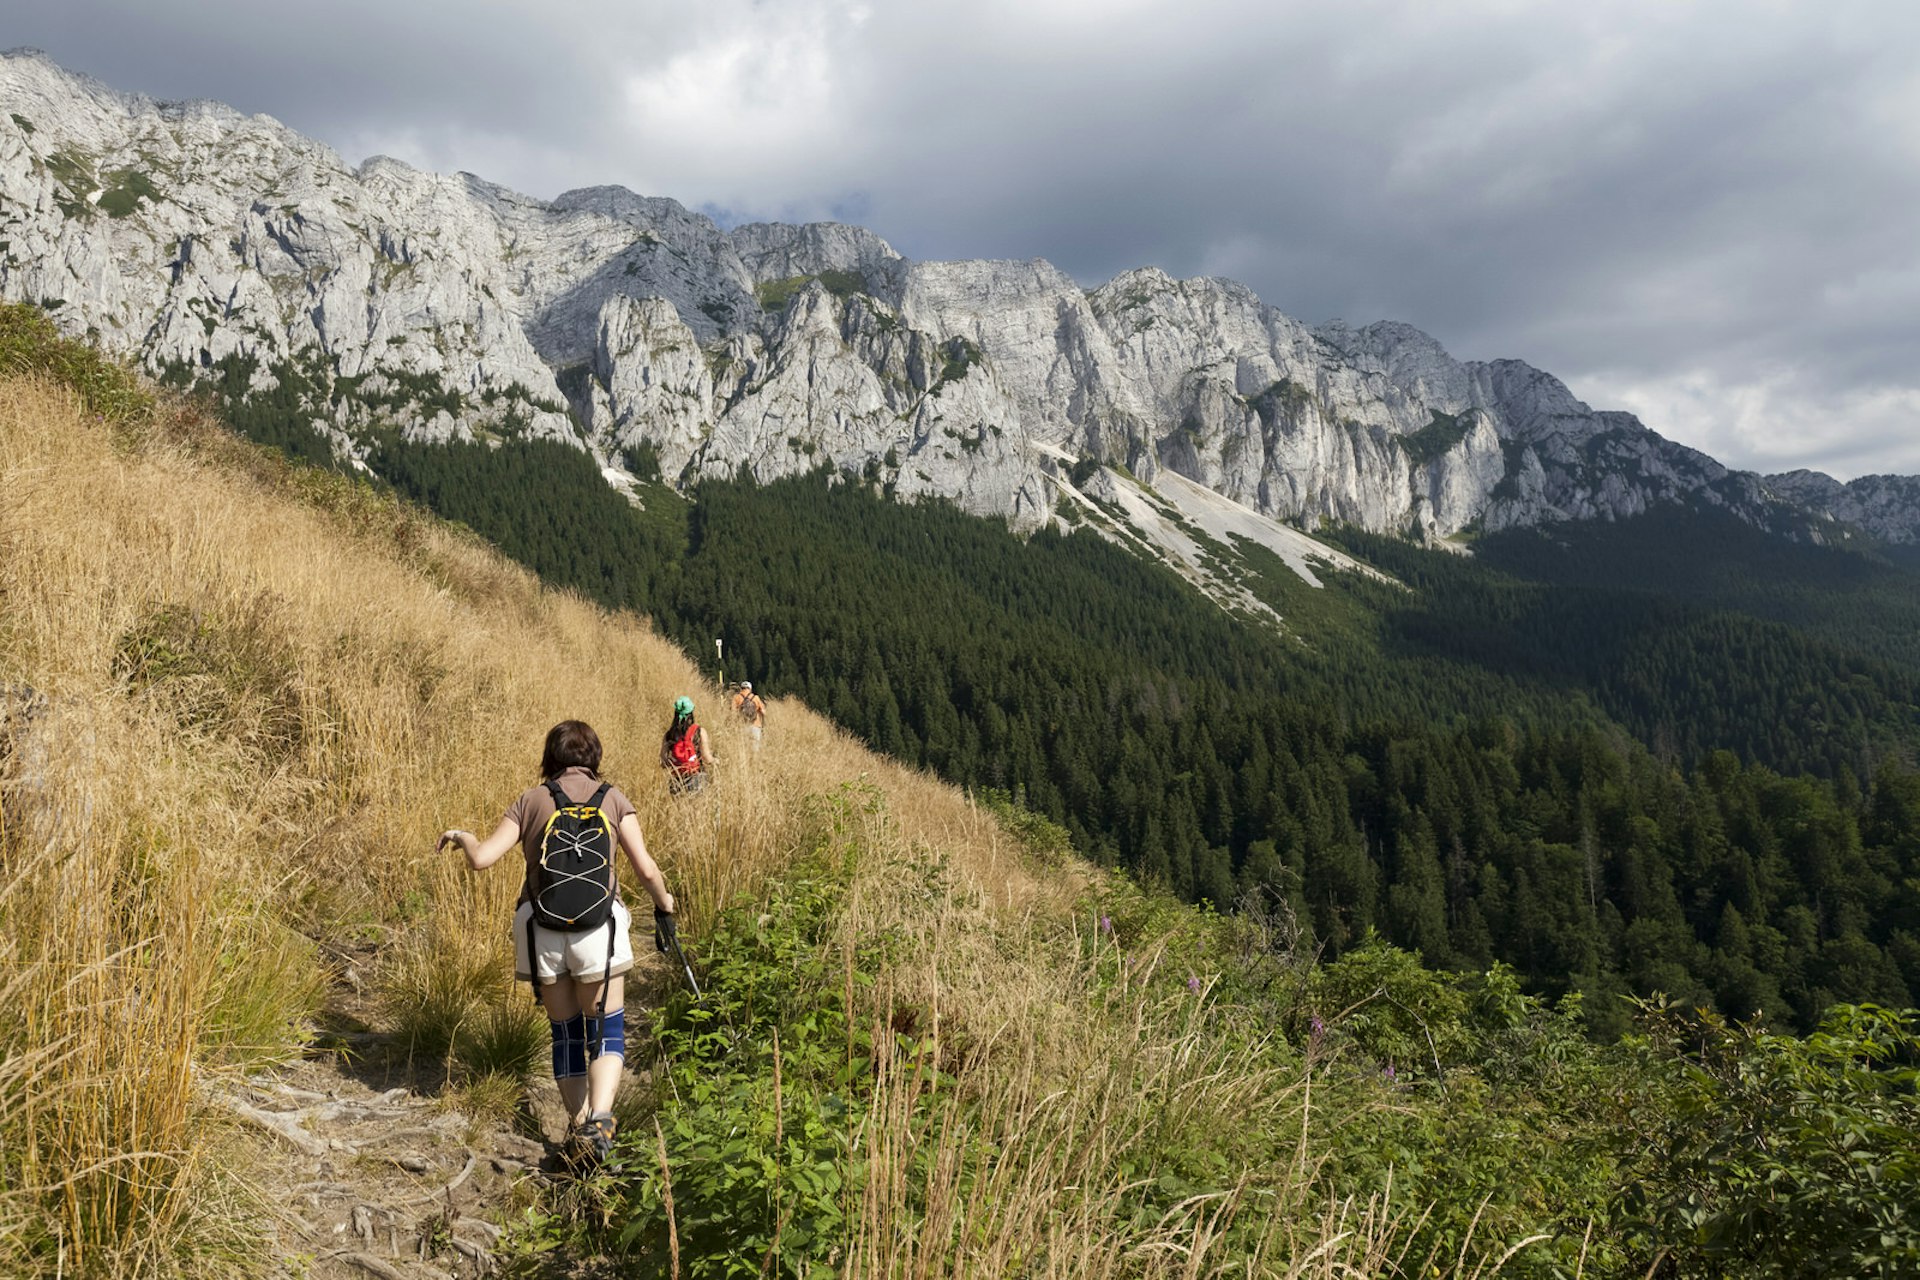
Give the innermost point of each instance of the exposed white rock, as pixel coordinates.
(188, 234)
(1886, 507)
(651, 381)
(1229, 522)
(773, 251)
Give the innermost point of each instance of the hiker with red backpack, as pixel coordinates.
(570, 930)
(684, 752)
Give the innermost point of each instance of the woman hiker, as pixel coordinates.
(684, 752)
(579, 974)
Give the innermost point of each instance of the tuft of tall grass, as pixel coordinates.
(30, 344)
(120, 986)
(1063, 1109)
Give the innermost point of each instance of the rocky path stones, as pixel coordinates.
(365, 1165)
(359, 1180)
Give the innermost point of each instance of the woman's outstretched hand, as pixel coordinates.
(481, 854)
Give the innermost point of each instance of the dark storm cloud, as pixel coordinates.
(1704, 212)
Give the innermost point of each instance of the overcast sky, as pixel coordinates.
(1707, 213)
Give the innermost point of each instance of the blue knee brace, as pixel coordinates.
(569, 1047)
(608, 1035)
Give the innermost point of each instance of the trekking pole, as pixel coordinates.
(673, 945)
(719, 662)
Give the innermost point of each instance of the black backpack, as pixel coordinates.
(571, 883)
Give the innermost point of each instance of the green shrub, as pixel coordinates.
(29, 344)
(124, 191)
(1439, 435)
(1763, 1155)
(1283, 397)
(842, 284)
(769, 1080)
(1406, 1018)
(774, 295)
(957, 356)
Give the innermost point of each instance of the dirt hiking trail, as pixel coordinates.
(363, 1165)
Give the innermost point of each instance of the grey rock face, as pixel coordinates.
(651, 382)
(192, 238)
(1885, 507)
(773, 251)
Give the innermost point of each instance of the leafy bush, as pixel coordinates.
(774, 295)
(1045, 839)
(957, 356)
(125, 189)
(770, 1076)
(1282, 397)
(842, 284)
(1764, 1155)
(1406, 1018)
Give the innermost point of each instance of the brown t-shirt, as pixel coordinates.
(535, 805)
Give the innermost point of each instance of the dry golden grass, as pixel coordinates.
(265, 694)
(259, 695)
(1061, 1081)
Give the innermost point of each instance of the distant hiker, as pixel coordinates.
(684, 751)
(751, 709)
(570, 932)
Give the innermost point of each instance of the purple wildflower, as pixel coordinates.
(1106, 924)
(1390, 1074)
(1317, 1025)
(1193, 985)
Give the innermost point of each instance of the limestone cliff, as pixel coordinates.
(204, 243)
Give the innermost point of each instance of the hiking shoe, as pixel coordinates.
(598, 1133)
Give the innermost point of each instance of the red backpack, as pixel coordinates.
(686, 750)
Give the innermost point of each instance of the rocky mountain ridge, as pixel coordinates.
(204, 243)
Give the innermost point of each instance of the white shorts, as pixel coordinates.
(580, 955)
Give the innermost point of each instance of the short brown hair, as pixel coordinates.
(570, 743)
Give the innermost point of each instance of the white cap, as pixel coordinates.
(747, 685)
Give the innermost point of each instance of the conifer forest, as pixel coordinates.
(1672, 755)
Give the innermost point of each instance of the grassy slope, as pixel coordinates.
(259, 693)
(265, 693)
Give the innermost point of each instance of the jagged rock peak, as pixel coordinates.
(781, 251)
(206, 243)
(623, 205)
(1885, 506)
